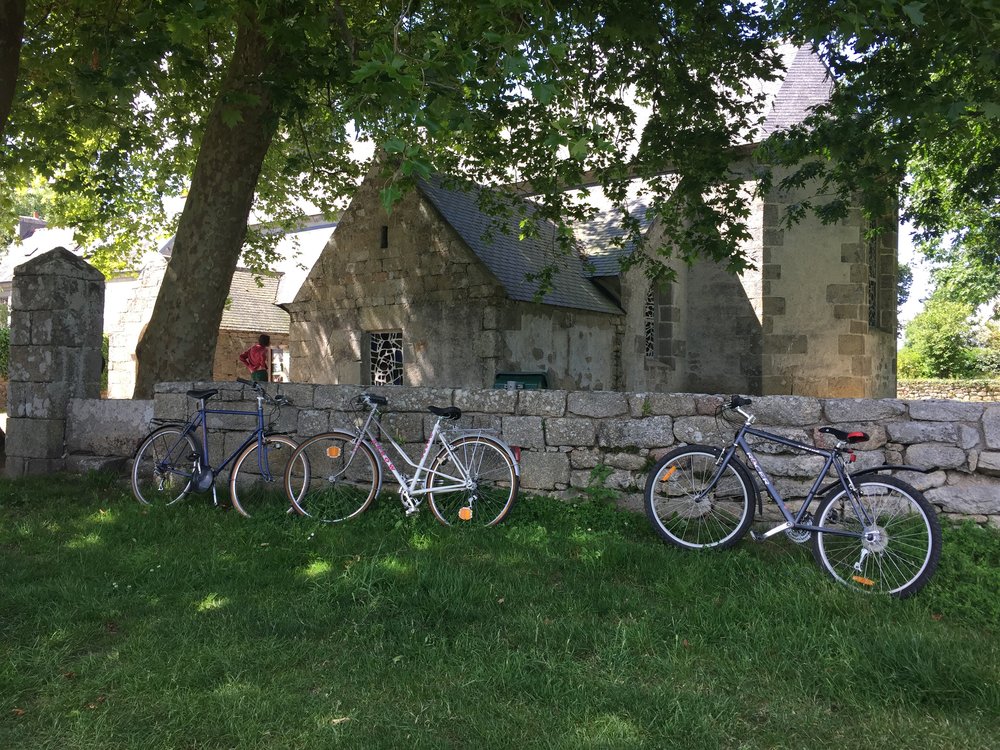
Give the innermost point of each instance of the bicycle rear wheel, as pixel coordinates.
(493, 478)
(163, 466)
(256, 485)
(686, 509)
(896, 553)
(332, 478)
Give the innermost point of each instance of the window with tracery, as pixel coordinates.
(385, 358)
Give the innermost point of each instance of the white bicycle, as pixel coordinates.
(472, 479)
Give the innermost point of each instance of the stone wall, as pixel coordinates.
(567, 438)
(102, 433)
(829, 303)
(952, 390)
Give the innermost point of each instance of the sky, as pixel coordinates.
(921, 276)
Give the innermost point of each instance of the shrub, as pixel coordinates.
(909, 364)
(940, 340)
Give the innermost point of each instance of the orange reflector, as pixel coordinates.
(863, 581)
(333, 451)
(669, 473)
(465, 513)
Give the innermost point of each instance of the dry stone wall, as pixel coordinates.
(951, 390)
(572, 441)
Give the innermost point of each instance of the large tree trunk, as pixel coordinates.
(179, 342)
(11, 35)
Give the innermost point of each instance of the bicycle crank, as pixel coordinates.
(410, 506)
(801, 536)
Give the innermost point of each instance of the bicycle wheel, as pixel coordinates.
(256, 485)
(332, 478)
(896, 553)
(163, 465)
(492, 489)
(686, 509)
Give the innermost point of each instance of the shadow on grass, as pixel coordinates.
(568, 626)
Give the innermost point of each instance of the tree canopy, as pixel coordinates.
(120, 102)
(251, 105)
(914, 119)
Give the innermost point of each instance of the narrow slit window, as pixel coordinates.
(384, 238)
(649, 316)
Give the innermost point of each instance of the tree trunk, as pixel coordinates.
(11, 35)
(179, 342)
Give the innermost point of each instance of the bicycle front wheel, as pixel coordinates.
(691, 504)
(895, 550)
(163, 466)
(475, 484)
(256, 485)
(332, 477)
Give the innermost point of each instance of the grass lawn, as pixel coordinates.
(570, 626)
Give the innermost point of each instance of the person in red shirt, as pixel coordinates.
(257, 358)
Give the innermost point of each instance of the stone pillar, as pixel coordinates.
(57, 313)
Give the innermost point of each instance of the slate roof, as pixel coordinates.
(496, 242)
(596, 236)
(251, 307)
(39, 241)
(807, 83)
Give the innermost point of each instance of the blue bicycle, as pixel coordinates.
(173, 460)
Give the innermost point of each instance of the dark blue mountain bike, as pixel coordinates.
(870, 532)
(173, 460)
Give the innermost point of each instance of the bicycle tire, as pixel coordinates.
(331, 480)
(493, 474)
(162, 467)
(256, 488)
(904, 546)
(682, 515)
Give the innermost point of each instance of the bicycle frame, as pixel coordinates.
(411, 485)
(791, 521)
(200, 419)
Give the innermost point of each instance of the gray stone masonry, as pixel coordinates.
(57, 315)
(563, 436)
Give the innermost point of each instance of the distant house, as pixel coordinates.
(251, 308)
(434, 295)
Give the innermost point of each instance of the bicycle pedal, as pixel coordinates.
(412, 510)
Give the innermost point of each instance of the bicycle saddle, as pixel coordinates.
(850, 437)
(199, 395)
(371, 398)
(448, 412)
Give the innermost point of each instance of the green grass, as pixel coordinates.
(567, 627)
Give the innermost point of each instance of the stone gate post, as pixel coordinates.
(57, 318)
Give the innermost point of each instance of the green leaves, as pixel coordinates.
(915, 12)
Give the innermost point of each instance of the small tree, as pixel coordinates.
(939, 341)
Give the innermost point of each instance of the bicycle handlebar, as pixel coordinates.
(737, 401)
(370, 399)
(277, 400)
